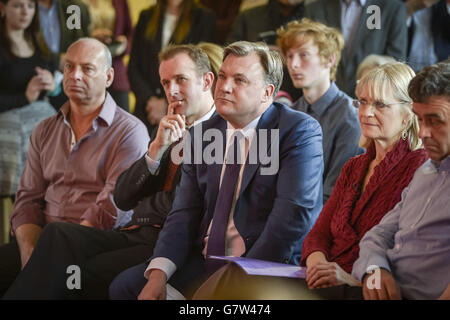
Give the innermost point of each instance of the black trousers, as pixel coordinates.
(9, 264)
(98, 255)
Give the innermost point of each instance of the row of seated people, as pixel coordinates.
(224, 208)
(172, 22)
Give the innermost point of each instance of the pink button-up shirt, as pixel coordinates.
(67, 181)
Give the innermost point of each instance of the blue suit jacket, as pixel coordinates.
(273, 213)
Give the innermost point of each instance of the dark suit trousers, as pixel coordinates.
(128, 284)
(9, 265)
(100, 256)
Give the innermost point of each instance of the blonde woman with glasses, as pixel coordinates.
(368, 187)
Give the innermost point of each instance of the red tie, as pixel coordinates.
(171, 171)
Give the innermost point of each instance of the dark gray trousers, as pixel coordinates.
(100, 255)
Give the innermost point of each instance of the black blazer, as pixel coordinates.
(136, 188)
(143, 68)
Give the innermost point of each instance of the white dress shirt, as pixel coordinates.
(170, 23)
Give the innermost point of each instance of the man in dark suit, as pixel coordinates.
(369, 27)
(194, 24)
(242, 210)
(143, 186)
(147, 187)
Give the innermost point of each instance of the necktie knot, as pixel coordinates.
(236, 151)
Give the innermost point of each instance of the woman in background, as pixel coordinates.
(26, 78)
(111, 24)
(169, 21)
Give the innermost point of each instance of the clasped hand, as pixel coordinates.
(43, 80)
(328, 274)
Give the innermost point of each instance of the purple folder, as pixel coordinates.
(265, 268)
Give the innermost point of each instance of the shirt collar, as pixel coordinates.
(321, 105)
(444, 165)
(106, 113)
(248, 131)
(108, 110)
(205, 117)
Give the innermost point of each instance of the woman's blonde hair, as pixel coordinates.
(394, 78)
(370, 62)
(215, 55)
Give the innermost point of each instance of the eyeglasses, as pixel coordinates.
(376, 104)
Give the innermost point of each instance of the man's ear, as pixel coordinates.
(109, 77)
(208, 80)
(268, 93)
(331, 61)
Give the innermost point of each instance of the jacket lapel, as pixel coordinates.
(214, 170)
(268, 121)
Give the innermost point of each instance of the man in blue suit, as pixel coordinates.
(272, 204)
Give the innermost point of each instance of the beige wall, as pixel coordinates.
(136, 6)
